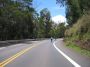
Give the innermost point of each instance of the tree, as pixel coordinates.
(74, 9)
(58, 30)
(45, 20)
(16, 19)
(61, 30)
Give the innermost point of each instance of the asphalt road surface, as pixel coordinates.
(42, 53)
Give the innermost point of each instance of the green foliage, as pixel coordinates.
(61, 29)
(80, 32)
(18, 20)
(75, 9)
(15, 19)
(45, 23)
(58, 30)
(81, 28)
(78, 18)
(74, 46)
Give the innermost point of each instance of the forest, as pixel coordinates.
(20, 20)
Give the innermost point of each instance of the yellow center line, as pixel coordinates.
(7, 61)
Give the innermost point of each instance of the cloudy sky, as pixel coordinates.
(57, 12)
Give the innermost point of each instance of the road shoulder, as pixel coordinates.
(80, 59)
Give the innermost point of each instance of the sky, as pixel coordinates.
(57, 12)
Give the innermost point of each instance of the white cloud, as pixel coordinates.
(59, 19)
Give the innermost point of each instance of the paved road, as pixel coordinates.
(41, 54)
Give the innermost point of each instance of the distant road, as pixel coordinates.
(41, 54)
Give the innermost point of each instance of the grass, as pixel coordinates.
(77, 48)
(80, 31)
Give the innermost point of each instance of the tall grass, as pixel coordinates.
(81, 29)
(80, 32)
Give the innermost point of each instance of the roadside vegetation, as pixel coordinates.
(77, 34)
(72, 45)
(20, 20)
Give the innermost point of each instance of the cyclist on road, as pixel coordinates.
(51, 39)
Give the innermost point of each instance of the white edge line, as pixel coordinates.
(68, 58)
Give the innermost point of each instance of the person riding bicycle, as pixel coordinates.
(51, 39)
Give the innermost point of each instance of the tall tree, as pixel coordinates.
(75, 9)
(16, 19)
(45, 18)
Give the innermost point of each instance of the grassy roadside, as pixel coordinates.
(73, 46)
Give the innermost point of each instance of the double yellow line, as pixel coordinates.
(4, 63)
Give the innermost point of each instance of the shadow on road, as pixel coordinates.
(13, 42)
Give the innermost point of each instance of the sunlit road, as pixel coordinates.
(41, 54)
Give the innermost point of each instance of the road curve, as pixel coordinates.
(38, 54)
